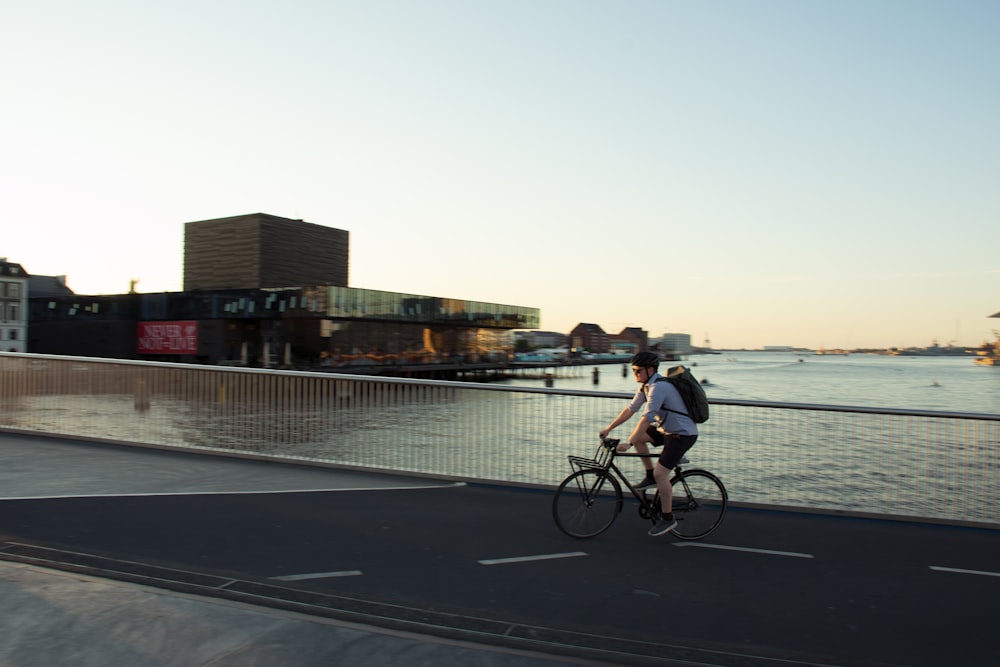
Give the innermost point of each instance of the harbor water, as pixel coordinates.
(940, 383)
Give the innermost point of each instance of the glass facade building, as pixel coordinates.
(300, 326)
(352, 303)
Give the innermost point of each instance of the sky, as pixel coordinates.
(752, 173)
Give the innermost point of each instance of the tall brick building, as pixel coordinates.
(263, 251)
(589, 337)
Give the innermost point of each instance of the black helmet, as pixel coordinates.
(646, 359)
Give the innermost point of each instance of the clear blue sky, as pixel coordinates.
(769, 172)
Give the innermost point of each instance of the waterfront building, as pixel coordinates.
(316, 326)
(47, 286)
(674, 345)
(589, 337)
(620, 346)
(535, 339)
(236, 311)
(13, 307)
(629, 341)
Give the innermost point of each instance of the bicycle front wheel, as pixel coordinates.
(587, 503)
(699, 504)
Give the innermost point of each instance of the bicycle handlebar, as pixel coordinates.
(610, 443)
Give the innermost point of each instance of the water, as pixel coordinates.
(909, 466)
(951, 384)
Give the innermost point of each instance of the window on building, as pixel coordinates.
(12, 312)
(13, 290)
(12, 335)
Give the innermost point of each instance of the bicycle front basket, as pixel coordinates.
(599, 461)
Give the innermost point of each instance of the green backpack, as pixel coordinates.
(690, 390)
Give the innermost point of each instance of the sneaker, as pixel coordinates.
(663, 526)
(645, 483)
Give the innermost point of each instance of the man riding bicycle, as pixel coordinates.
(663, 422)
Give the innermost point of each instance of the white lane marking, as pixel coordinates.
(983, 573)
(236, 493)
(319, 575)
(769, 552)
(525, 559)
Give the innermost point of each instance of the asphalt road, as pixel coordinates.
(487, 563)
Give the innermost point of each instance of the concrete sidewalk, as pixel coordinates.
(51, 618)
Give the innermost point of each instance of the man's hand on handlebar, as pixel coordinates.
(615, 443)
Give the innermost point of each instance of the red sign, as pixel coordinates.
(168, 337)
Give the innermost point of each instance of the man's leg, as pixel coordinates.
(673, 450)
(662, 476)
(641, 442)
(647, 461)
(665, 522)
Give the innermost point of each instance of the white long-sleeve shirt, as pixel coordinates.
(661, 404)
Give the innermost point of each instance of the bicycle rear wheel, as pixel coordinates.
(699, 504)
(587, 503)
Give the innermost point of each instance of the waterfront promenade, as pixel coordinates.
(117, 556)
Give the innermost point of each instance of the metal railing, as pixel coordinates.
(934, 465)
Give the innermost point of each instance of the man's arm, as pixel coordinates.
(622, 417)
(638, 434)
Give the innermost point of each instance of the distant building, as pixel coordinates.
(48, 286)
(13, 307)
(629, 341)
(589, 337)
(539, 339)
(673, 345)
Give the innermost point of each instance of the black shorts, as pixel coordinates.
(674, 446)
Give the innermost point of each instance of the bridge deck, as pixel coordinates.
(455, 564)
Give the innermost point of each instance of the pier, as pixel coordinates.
(477, 372)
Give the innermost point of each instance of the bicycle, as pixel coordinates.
(590, 499)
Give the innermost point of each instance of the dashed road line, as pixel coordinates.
(525, 559)
(319, 575)
(769, 552)
(982, 573)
